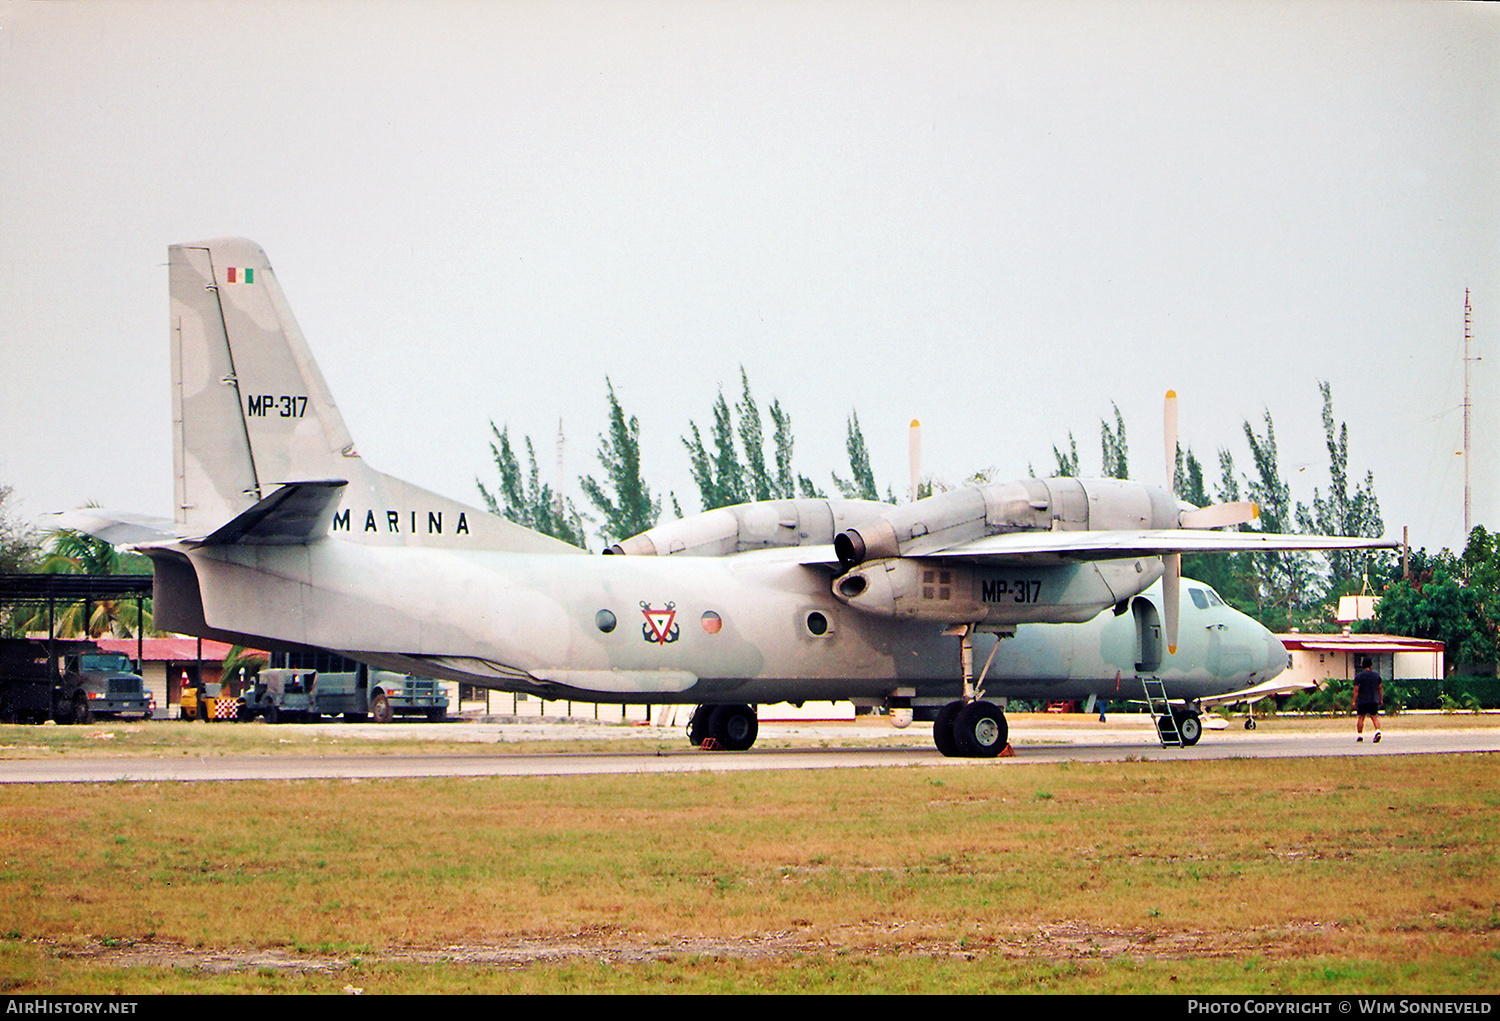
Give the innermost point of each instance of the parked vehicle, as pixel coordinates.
(209, 701)
(109, 684)
(82, 684)
(288, 693)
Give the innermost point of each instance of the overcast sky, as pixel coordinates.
(997, 218)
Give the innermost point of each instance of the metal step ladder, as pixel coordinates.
(1161, 712)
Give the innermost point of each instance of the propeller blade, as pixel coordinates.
(1171, 591)
(914, 458)
(1219, 515)
(1169, 437)
(1171, 582)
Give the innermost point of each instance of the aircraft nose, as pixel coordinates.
(1276, 660)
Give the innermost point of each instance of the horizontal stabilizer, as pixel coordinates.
(110, 526)
(295, 513)
(1265, 690)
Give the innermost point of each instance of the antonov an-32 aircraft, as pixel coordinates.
(286, 539)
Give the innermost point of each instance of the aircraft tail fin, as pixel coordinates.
(252, 414)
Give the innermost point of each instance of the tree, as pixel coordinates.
(719, 475)
(862, 484)
(1116, 462)
(1431, 601)
(73, 552)
(758, 482)
(1067, 464)
(527, 501)
(629, 510)
(722, 478)
(1344, 512)
(19, 547)
(1283, 580)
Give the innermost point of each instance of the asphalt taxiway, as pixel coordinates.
(813, 746)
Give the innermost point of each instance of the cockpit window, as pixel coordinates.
(1200, 598)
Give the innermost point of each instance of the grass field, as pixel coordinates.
(1359, 875)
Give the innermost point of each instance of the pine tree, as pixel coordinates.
(627, 506)
(527, 501)
(1116, 463)
(862, 484)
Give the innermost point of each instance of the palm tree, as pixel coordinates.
(72, 552)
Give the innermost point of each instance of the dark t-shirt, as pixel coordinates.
(1367, 688)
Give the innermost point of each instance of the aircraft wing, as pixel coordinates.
(1125, 545)
(1061, 547)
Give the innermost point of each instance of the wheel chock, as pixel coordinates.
(1007, 752)
(709, 745)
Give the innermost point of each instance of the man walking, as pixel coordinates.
(1369, 696)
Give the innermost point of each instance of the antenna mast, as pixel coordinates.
(1468, 341)
(557, 497)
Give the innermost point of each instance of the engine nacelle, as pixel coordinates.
(936, 589)
(751, 526)
(1031, 505)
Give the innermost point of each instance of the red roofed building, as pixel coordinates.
(165, 660)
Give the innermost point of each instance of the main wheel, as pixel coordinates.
(980, 730)
(1190, 726)
(698, 725)
(380, 708)
(942, 730)
(734, 727)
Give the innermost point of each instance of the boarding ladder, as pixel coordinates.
(1161, 712)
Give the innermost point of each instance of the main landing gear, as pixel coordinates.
(730, 728)
(971, 728)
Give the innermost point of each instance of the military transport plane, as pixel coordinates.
(285, 538)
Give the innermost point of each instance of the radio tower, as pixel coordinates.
(1468, 361)
(557, 497)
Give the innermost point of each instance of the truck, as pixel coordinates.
(292, 693)
(84, 684)
(111, 685)
(282, 694)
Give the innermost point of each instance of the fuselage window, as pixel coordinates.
(605, 620)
